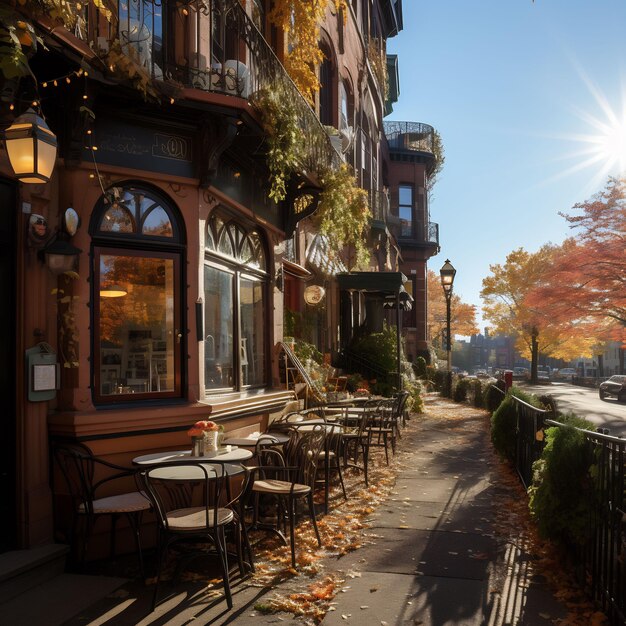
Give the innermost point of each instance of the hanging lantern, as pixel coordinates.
(32, 148)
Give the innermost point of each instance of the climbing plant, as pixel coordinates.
(343, 213)
(284, 138)
(299, 20)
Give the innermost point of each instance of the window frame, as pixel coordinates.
(141, 246)
(411, 206)
(238, 271)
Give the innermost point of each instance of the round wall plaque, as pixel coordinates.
(314, 294)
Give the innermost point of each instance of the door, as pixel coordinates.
(8, 236)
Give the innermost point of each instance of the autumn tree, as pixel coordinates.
(506, 305)
(462, 315)
(587, 284)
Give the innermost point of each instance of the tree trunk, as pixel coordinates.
(534, 357)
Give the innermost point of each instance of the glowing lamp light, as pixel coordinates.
(447, 273)
(32, 148)
(113, 291)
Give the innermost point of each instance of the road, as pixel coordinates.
(585, 402)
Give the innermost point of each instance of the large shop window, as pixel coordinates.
(235, 306)
(137, 339)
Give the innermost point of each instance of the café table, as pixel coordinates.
(250, 441)
(229, 456)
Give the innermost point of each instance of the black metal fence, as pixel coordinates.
(601, 559)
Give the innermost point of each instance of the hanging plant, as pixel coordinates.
(440, 159)
(284, 138)
(343, 214)
(300, 20)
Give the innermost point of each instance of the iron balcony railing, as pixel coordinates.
(410, 136)
(212, 45)
(379, 205)
(599, 559)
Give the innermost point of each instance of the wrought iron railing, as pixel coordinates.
(601, 559)
(432, 233)
(411, 136)
(211, 45)
(379, 204)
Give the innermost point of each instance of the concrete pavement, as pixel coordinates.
(439, 549)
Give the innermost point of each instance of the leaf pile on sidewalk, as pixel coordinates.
(514, 525)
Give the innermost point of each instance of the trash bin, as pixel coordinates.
(508, 379)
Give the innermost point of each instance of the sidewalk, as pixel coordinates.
(440, 549)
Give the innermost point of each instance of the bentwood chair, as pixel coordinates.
(87, 478)
(194, 504)
(356, 438)
(289, 478)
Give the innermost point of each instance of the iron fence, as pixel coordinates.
(600, 560)
(413, 136)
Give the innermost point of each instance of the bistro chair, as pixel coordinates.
(330, 460)
(86, 478)
(382, 428)
(355, 438)
(288, 478)
(194, 505)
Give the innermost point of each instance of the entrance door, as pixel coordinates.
(8, 236)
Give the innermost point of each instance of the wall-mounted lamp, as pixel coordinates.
(60, 256)
(32, 148)
(113, 291)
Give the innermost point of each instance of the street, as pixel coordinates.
(585, 402)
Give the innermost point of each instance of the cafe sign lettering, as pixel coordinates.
(314, 294)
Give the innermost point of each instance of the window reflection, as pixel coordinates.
(252, 326)
(218, 328)
(136, 330)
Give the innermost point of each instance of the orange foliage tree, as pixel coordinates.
(300, 20)
(587, 283)
(506, 304)
(462, 315)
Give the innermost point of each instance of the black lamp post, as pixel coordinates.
(447, 273)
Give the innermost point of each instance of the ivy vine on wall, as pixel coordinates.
(343, 214)
(284, 139)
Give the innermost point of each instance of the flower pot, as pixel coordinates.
(211, 441)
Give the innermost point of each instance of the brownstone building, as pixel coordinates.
(145, 282)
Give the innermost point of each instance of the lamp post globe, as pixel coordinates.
(447, 273)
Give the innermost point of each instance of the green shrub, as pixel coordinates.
(559, 494)
(305, 351)
(415, 402)
(354, 382)
(439, 379)
(492, 397)
(504, 421)
(420, 367)
(460, 389)
(477, 393)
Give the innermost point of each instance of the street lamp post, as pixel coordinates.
(447, 273)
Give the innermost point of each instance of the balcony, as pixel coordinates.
(212, 46)
(379, 205)
(410, 137)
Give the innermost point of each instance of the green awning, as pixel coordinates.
(383, 282)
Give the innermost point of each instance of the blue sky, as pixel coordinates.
(512, 86)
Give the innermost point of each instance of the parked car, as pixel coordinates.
(614, 386)
(521, 373)
(543, 374)
(566, 373)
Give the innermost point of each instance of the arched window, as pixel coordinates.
(137, 330)
(328, 88)
(235, 305)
